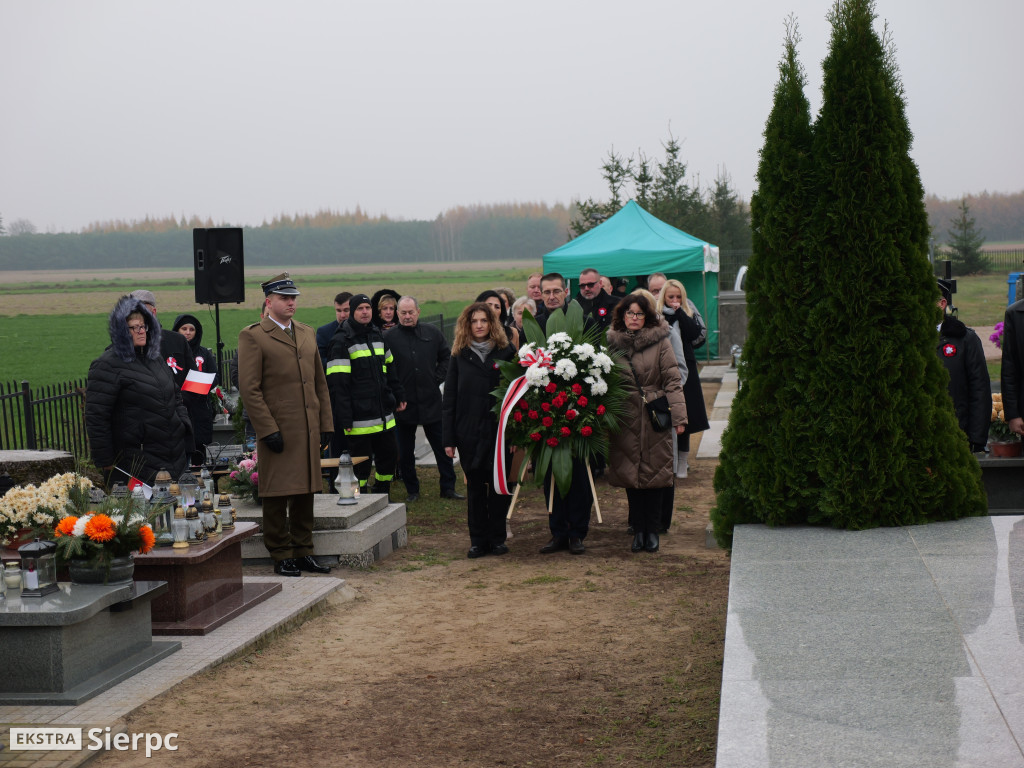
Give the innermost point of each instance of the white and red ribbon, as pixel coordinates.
(539, 356)
(515, 391)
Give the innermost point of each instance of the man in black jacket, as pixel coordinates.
(569, 520)
(365, 393)
(597, 304)
(421, 355)
(961, 352)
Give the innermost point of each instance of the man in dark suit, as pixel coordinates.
(421, 355)
(325, 333)
(284, 389)
(570, 515)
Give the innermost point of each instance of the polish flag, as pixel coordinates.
(134, 482)
(198, 382)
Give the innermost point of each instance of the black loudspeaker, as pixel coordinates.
(219, 265)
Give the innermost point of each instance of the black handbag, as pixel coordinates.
(658, 410)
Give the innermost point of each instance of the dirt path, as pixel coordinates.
(521, 660)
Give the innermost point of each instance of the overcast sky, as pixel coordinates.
(242, 110)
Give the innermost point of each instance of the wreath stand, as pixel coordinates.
(551, 493)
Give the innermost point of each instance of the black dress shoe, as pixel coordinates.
(286, 568)
(555, 545)
(309, 563)
(412, 497)
(652, 543)
(639, 541)
(475, 552)
(576, 547)
(452, 495)
(499, 549)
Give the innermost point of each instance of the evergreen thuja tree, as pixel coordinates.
(965, 240)
(888, 445)
(767, 469)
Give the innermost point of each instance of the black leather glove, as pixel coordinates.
(274, 442)
(325, 440)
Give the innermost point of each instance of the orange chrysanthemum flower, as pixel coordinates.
(148, 539)
(65, 526)
(100, 528)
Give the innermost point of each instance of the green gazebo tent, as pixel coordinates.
(633, 243)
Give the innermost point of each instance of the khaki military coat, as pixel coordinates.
(284, 390)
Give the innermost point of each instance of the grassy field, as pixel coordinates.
(51, 332)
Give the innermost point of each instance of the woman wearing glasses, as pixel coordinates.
(134, 415)
(640, 457)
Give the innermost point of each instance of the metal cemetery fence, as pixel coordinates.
(48, 418)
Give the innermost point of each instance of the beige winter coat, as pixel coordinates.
(639, 456)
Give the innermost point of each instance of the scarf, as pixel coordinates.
(482, 348)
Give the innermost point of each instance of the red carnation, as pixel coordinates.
(535, 436)
(600, 410)
(566, 431)
(570, 414)
(524, 405)
(582, 402)
(558, 402)
(545, 407)
(576, 389)
(551, 387)
(517, 416)
(552, 441)
(547, 421)
(533, 414)
(586, 431)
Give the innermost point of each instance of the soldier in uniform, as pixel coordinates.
(283, 386)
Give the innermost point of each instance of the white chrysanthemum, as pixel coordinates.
(79, 528)
(583, 351)
(602, 361)
(136, 520)
(599, 387)
(559, 339)
(537, 376)
(525, 350)
(566, 369)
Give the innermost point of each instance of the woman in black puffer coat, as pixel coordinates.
(200, 411)
(134, 414)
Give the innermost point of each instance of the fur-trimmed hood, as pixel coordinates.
(184, 319)
(375, 301)
(120, 337)
(642, 339)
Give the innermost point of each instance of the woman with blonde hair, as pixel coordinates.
(468, 422)
(686, 323)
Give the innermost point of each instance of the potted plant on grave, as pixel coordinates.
(97, 540)
(243, 479)
(1001, 441)
(24, 509)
